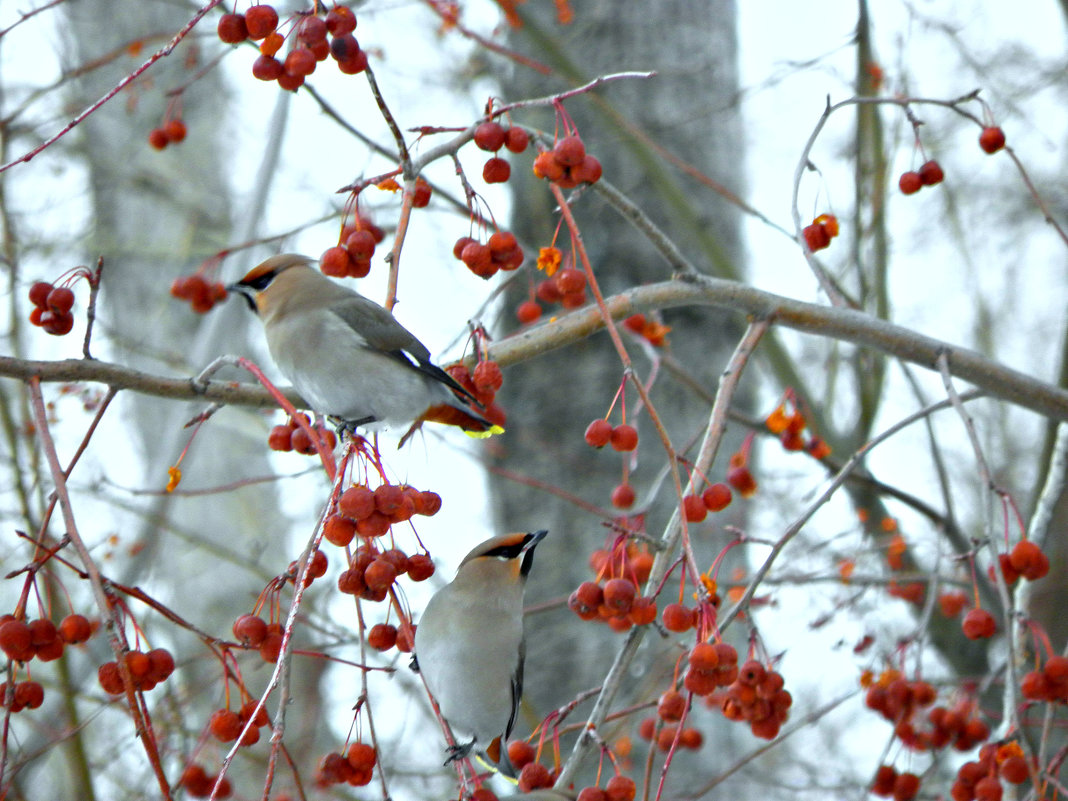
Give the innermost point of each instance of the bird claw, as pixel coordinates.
(459, 751)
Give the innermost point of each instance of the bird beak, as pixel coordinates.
(246, 293)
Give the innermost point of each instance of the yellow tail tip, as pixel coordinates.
(492, 431)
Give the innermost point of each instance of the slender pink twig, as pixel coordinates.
(166, 50)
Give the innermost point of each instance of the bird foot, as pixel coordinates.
(459, 751)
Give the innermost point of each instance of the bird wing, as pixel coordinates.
(383, 333)
(517, 689)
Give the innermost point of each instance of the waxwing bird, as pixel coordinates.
(349, 357)
(469, 645)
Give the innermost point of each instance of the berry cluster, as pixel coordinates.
(290, 436)
(482, 384)
(789, 427)
(655, 333)
(500, 252)
(371, 574)
(491, 136)
(715, 498)
(169, 133)
(199, 293)
(355, 767)
(913, 181)
(670, 709)
(600, 432)
(351, 257)
(370, 513)
(888, 783)
(819, 233)
(618, 788)
(899, 701)
(24, 695)
(980, 780)
(41, 638)
(260, 22)
(1025, 559)
(226, 725)
(710, 666)
(616, 602)
(146, 669)
(566, 287)
(532, 774)
(568, 164)
(52, 308)
(253, 631)
(1048, 684)
(758, 697)
(198, 783)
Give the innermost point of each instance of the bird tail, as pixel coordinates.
(466, 419)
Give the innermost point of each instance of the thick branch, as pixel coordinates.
(847, 325)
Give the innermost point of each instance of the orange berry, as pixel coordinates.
(678, 618)
(624, 437)
(598, 432)
(716, 497)
(621, 788)
(694, 509)
(623, 496)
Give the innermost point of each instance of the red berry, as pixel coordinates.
(992, 139)
(623, 496)
(28, 695)
(232, 28)
(619, 594)
(75, 629)
(489, 136)
(534, 776)
(335, 261)
(157, 138)
(110, 678)
(60, 300)
(978, 624)
(589, 171)
(260, 20)
(39, 293)
(496, 171)
(528, 312)
(299, 63)
(420, 567)
(311, 30)
(340, 20)
(931, 173)
(621, 788)
(694, 509)
(671, 706)
(570, 280)
(816, 237)
(250, 629)
(677, 618)
(57, 324)
(357, 502)
(520, 753)
(716, 497)
(382, 636)
(910, 183)
(624, 437)
(267, 68)
(175, 130)
(569, 151)
(225, 725)
(598, 433)
(488, 376)
(421, 194)
(16, 640)
(516, 139)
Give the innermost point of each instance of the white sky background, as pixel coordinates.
(932, 287)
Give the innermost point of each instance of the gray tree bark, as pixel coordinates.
(689, 109)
